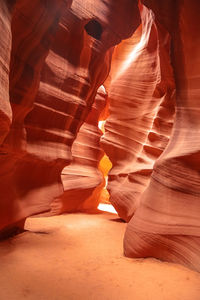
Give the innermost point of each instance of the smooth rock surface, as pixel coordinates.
(5, 52)
(141, 92)
(82, 180)
(167, 223)
(61, 54)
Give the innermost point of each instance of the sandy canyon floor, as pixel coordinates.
(79, 256)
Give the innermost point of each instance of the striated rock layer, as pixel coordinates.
(32, 28)
(59, 58)
(167, 224)
(141, 112)
(82, 180)
(5, 51)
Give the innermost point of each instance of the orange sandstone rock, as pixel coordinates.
(141, 112)
(82, 180)
(59, 58)
(5, 51)
(167, 224)
(32, 27)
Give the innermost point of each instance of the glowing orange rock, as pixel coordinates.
(167, 224)
(82, 180)
(141, 113)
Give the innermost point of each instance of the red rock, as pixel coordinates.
(59, 58)
(167, 224)
(82, 180)
(5, 50)
(141, 112)
(31, 28)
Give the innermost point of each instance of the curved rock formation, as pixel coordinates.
(82, 180)
(59, 58)
(167, 223)
(5, 51)
(54, 56)
(141, 112)
(32, 27)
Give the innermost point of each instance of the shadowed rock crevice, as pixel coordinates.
(94, 29)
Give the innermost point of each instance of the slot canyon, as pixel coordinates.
(100, 149)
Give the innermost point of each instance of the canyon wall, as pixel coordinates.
(82, 180)
(5, 50)
(32, 26)
(167, 225)
(141, 96)
(54, 57)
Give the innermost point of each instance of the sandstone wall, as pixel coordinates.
(60, 55)
(167, 224)
(141, 93)
(82, 180)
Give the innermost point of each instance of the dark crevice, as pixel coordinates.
(94, 29)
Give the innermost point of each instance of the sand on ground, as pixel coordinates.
(80, 256)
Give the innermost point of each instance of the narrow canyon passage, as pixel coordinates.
(99, 111)
(80, 256)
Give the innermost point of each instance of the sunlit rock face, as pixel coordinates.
(61, 53)
(82, 180)
(141, 108)
(32, 28)
(167, 225)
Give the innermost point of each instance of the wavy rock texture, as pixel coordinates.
(141, 112)
(59, 58)
(32, 28)
(5, 50)
(167, 223)
(82, 180)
